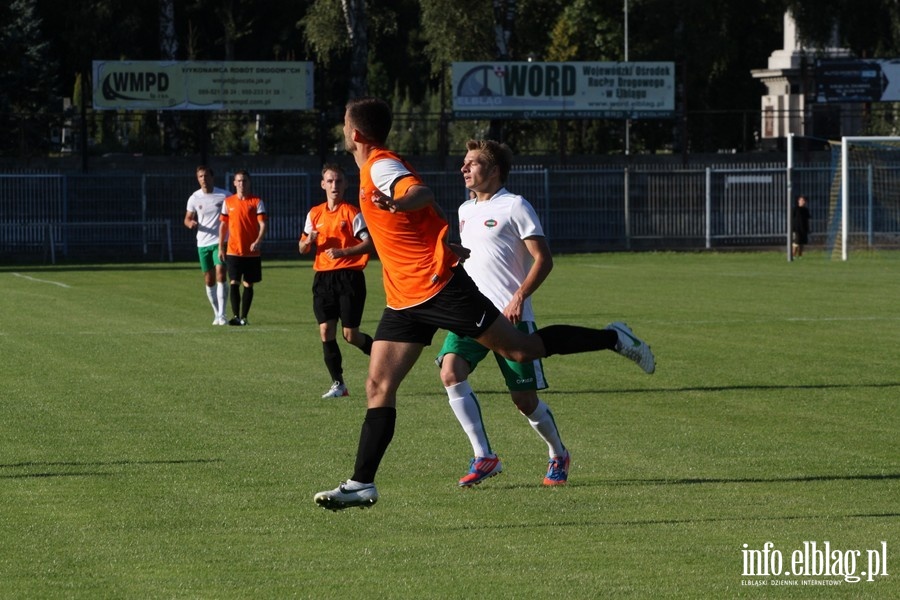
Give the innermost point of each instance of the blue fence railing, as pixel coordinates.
(581, 209)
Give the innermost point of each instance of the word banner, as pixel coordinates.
(615, 90)
(202, 85)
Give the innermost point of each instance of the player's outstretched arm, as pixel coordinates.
(417, 197)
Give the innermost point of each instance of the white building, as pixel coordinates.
(789, 105)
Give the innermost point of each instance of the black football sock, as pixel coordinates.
(571, 339)
(235, 294)
(377, 432)
(333, 360)
(247, 301)
(367, 344)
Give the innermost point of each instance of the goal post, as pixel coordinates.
(880, 169)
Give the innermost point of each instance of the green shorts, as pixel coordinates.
(519, 376)
(209, 257)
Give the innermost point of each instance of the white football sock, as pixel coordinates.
(468, 412)
(542, 422)
(211, 294)
(222, 295)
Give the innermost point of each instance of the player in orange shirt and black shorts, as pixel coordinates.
(243, 226)
(427, 289)
(343, 244)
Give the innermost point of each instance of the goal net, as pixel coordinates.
(864, 203)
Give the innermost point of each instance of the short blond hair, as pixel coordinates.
(493, 154)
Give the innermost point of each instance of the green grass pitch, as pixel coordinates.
(145, 453)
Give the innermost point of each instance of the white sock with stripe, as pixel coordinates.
(542, 422)
(468, 412)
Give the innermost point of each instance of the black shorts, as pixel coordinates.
(248, 268)
(459, 308)
(340, 295)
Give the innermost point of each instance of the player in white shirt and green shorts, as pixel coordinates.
(507, 256)
(508, 259)
(202, 215)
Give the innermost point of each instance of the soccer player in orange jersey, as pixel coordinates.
(427, 289)
(342, 242)
(243, 227)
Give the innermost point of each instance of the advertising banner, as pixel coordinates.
(202, 85)
(857, 80)
(617, 90)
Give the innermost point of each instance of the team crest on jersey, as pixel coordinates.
(490, 223)
(343, 224)
(462, 225)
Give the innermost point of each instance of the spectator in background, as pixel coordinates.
(800, 227)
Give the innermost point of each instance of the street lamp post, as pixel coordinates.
(627, 118)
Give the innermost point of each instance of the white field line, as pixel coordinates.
(36, 280)
(252, 330)
(775, 320)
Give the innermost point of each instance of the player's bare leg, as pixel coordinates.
(390, 363)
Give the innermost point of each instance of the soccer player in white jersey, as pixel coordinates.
(203, 209)
(508, 258)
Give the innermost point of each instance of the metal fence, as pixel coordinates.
(47, 217)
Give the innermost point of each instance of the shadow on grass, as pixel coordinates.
(53, 475)
(709, 480)
(715, 388)
(113, 463)
(702, 480)
(651, 522)
(685, 521)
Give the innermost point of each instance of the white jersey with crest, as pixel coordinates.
(208, 207)
(494, 230)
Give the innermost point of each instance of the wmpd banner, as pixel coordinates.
(614, 90)
(202, 85)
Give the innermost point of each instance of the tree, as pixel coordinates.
(168, 50)
(587, 30)
(504, 24)
(29, 88)
(367, 48)
(358, 36)
(402, 49)
(456, 31)
(869, 28)
(168, 40)
(714, 45)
